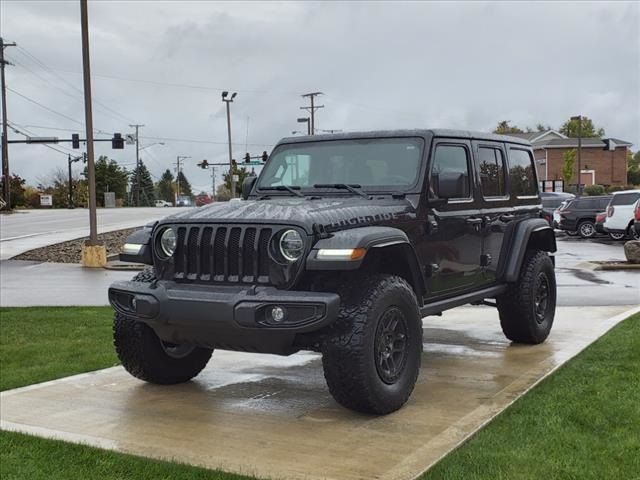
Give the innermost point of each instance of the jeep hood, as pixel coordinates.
(332, 213)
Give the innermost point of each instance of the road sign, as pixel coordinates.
(42, 139)
(130, 138)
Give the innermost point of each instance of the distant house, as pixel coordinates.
(604, 160)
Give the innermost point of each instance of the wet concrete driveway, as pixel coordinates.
(274, 418)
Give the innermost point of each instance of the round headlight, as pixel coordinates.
(168, 242)
(291, 245)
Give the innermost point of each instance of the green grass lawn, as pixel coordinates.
(582, 422)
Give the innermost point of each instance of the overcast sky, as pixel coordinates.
(381, 65)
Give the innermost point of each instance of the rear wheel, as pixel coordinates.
(528, 306)
(372, 354)
(145, 356)
(572, 233)
(617, 236)
(633, 233)
(587, 229)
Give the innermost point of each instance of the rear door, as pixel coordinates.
(496, 207)
(451, 252)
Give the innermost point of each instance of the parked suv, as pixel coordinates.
(342, 245)
(620, 214)
(551, 201)
(579, 215)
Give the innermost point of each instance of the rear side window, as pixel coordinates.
(521, 173)
(604, 202)
(451, 164)
(625, 198)
(588, 204)
(492, 172)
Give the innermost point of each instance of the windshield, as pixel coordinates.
(371, 164)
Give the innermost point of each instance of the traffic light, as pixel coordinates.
(117, 142)
(204, 164)
(247, 158)
(264, 156)
(75, 140)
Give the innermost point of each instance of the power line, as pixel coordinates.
(62, 79)
(15, 129)
(193, 140)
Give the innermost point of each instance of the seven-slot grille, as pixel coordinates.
(222, 254)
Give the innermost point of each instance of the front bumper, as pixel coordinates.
(233, 318)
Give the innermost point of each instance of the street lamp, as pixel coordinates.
(578, 118)
(231, 172)
(306, 120)
(151, 145)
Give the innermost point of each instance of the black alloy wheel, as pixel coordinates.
(391, 345)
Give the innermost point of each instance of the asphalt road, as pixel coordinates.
(29, 229)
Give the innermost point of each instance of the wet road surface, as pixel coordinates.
(273, 416)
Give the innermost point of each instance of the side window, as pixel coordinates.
(492, 172)
(522, 173)
(450, 172)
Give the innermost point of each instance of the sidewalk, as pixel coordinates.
(55, 284)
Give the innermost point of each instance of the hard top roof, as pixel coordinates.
(435, 132)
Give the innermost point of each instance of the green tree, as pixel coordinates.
(185, 186)
(165, 187)
(571, 128)
(542, 128)
(16, 184)
(222, 193)
(147, 193)
(567, 167)
(633, 168)
(110, 177)
(504, 127)
(242, 173)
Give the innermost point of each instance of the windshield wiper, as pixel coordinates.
(353, 188)
(283, 188)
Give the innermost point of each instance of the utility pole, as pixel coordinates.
(579, 119)
(312, 108)
(88, 116)
(231, 172)
(179, 159)
(70, 161)
(136, 126)
(5, 135)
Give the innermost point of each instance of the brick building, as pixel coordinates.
(604, 160)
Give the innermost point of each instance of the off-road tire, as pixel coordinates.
(350, 354)
(587, 229)
(143, 355)
(519, 307)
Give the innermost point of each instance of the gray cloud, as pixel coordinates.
(381, 65)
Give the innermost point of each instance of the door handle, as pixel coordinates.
(507, 217)
(474, 221)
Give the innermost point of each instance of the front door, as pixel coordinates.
(453, 246)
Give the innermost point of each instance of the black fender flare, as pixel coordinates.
(372, 238)
(530, 233)
(140, 237)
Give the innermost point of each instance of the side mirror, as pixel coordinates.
(247, 185)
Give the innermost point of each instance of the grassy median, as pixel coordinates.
(582, 422)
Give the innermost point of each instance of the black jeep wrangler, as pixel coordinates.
(341, 246)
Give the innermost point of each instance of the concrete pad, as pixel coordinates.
(274, 418)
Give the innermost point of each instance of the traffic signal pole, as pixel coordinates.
(137, 165)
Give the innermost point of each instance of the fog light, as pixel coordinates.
(277, 314)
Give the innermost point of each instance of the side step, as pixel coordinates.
(436, 308)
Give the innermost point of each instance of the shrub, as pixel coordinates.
(594, 190)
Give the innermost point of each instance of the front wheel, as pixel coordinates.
(372, 354)
(148, 358)
(527, 308)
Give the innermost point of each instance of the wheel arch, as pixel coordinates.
(531, 234)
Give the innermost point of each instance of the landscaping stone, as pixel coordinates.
(69, 252)
(632, 251)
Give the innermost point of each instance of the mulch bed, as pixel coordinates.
(69, 252)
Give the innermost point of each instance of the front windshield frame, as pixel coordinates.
(421, 142)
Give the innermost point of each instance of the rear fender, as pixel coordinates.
(530, 234)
